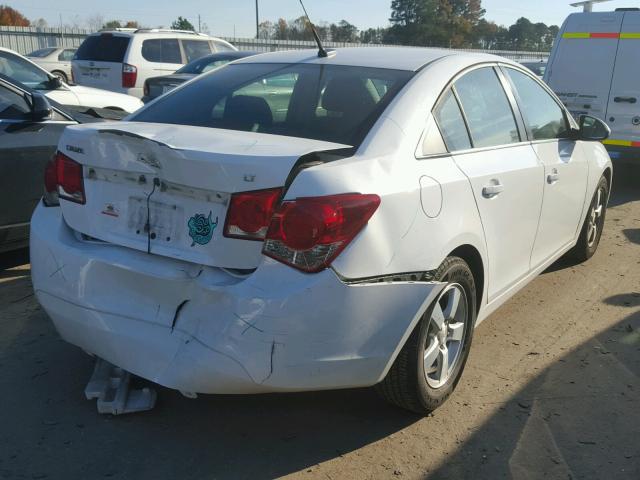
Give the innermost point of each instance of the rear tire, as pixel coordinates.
(61, 75)
(420, 379)
(593, 224)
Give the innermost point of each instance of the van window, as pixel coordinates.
(451, 123)
(194, 49)
(543, 116)
(105, 47)
(487, 109)
(162, 50)
(222, 47)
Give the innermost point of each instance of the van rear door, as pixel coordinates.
(98, 61)
(584, 57)
(623, 113)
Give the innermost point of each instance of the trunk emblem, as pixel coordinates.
(201, 229)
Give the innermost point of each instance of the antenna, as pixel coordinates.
(322, 53)
(588, 5)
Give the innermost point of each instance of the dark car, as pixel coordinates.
(30, 126)
(536, 67)
(156, 86)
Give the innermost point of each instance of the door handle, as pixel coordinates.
(490, 191)
(553, 177)
(625, 99)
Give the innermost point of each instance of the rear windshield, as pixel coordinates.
(331, 103)
(43, 52)
(103, 48)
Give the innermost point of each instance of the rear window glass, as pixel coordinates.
(165, 50)
(332, 103)
(194, 49)
(43, 52)
(103, 48)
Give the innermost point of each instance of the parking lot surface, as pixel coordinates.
(551, 390)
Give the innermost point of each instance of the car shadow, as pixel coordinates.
(626, 184)
(14, 259)
(577, 419)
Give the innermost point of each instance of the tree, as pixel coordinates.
(183, 24)
(12, 18)
(111, 24)
(40, 23)
(132, 24)
(343, 32)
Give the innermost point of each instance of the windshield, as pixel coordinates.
(43, 52)
(105, 47)
(24, 71)
(324, 102)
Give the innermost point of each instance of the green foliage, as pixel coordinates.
(434, 23)
(183, 24)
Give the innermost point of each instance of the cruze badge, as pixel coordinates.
(201, 229)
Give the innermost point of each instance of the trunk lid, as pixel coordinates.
(161, 85)
(181, 179)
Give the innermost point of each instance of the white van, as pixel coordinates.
(594, 68)
(121, 60)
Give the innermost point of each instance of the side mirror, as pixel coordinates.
(54, 83)
(40, 108)
(593, 129)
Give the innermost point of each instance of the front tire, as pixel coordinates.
(431, 362)
(593, 224)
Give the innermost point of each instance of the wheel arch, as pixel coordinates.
(472, 257)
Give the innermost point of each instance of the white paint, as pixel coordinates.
(278, 329)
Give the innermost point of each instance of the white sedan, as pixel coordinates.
(291, 222)
(23, 70)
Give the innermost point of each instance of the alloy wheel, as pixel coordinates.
(595, 214)
(445, 336)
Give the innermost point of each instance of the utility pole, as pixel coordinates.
(199, 26)
(257, 21)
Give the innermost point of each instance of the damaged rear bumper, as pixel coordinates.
(203, 330)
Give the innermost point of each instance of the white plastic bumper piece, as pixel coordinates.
(203, 330)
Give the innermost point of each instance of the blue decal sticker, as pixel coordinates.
(201, 229)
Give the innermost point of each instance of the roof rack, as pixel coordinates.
(588, 5)
(166, 30)
(118, 29)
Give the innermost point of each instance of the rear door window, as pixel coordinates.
(543, 116)
(162, 50)
(451, 123)
(194, 49)
(487, 109)
(103, 48)
(66, 55)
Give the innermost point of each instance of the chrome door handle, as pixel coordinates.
(553, 178)
(490, 191)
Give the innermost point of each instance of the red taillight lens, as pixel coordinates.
(50, 177)
(309, 233)
(129, 75)
(70, 179)
(249, 214)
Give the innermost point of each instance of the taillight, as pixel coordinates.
(249, 214)
(309, 233)
(69, 179)
(129, 75)
(50, 184)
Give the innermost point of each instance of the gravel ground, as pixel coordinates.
(552, 389)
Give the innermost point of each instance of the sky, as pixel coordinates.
(224, 17)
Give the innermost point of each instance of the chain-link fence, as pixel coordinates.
(27, 39)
